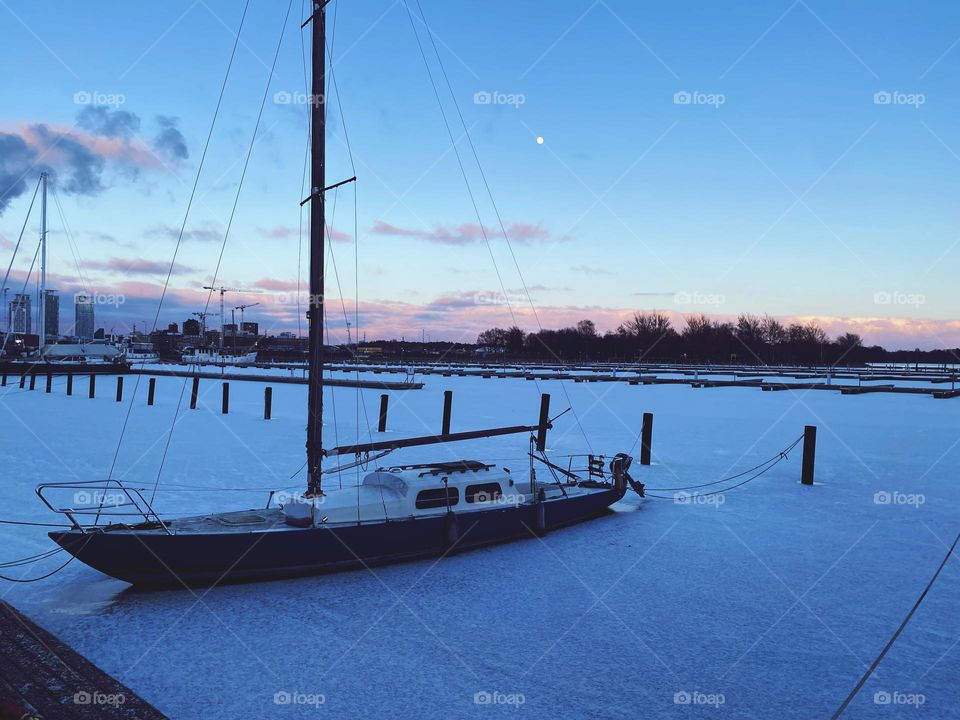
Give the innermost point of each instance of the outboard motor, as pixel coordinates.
(619, 468)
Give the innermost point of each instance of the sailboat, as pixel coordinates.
(397, 512)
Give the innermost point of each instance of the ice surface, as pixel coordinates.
(776, 598)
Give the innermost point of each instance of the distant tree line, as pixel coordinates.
(650, 336)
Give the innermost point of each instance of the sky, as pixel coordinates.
(795, 158)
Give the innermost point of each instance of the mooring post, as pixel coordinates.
(267, 403)
(384, 401)
(447, 408)
(119, 388)
(69, 384)
(4, 380)
(151, 390)
(194, 392)
(93, 385)
(33, 379)
(226, 398)
(544, 420)
(49, 382)
(809, 454)
(23, 381)
(646, 438)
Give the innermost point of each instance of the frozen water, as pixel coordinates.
(772, 600)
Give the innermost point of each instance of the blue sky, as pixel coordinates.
(812, 174)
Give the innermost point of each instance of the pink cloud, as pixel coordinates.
(137, 266)
(48, 140)
(466, 233)
(281, 232)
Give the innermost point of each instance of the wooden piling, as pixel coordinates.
(4, 380)
(225, 405)
(809, 454)
(646, 438)
(49, 387)
(69, 384)
(447, 409)
(544, 420)
(23, 381)
(151, 391)
(382, 424)
(194, 392)
(33, 379)
(119, 388)
(267, 403)
(93, 386)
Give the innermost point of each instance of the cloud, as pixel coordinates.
(170, 142)
(591, 270)
(282, 232)
(467, 233)
(137, 266)
(108, 123)
(80, 158)
(276, 285)
(206, 233)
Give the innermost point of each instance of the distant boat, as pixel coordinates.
(140, 352)
(399, 511)
(217, 356)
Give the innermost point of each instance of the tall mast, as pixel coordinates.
(317, 226)
(42, 300)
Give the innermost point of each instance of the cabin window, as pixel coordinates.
(430, 499)
(487, 492)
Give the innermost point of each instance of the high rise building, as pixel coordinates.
(83, 306)
(51, 313)
(20, 315)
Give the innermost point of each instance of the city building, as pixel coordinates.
(249, 328)
(19, 320)
(51, 314)
(83, 306)
(191, 327)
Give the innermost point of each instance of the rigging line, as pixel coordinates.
(71, 242)
(893, 639)
(496, 210)
(32, 558)
(226, 235)
(723, 490)
(183, 226)
(779, 456)
(16, 248)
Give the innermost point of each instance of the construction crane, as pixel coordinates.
(223, 291)
(203, 322)
(241, 308)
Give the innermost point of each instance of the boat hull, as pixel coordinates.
(154, 558)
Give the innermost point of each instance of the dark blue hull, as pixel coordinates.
(153, 557)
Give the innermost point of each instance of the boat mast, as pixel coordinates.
(42, 300)
(317, 228)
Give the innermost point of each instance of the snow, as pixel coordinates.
(773, 600)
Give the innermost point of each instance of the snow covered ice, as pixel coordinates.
(769, 603)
